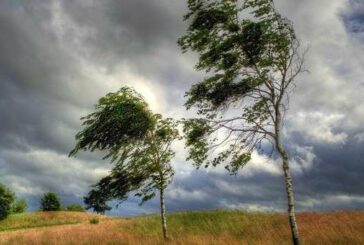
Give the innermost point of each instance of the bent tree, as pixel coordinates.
(137, 141)
(251, 57)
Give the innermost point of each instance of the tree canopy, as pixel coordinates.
(120, 118)
(249, 53)
(50, 202)
(7, 197)
(141, 166)
(19, 206)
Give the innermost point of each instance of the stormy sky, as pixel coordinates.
(57, 58)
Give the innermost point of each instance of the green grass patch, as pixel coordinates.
(237, 224)
(198, 227)
(94, 221)
(39, 219)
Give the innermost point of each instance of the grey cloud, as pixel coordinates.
(125, 29)
(58, 57)
(139, 34)
(353, 17)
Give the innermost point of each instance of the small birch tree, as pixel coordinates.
(137, 141)
(251, 57)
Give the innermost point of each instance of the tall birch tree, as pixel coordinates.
(251, 57)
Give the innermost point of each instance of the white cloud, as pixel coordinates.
(334, 86)
(302, 159)
(36, 171)
(261, 164)
(251, 207)
(187, 195)
(330, 200)
(359, 137)
(317, 126)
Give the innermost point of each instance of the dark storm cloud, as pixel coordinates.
(142, 26)
(58, 57)
(334, 181)
(140, 34)
(39, 105)
(135, 32)
(339, 169)
(30, 62)
(353, 17)
(31, 59)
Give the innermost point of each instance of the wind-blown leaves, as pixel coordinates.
(119, 117)
(137, 141)
(247, 50)
(251, 57)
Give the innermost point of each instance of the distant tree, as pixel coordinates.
(137, 141)
(7, 197)
(50, 202)
(75, 208)
(251, 56)
(19, 206)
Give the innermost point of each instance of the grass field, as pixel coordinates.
(213, 227)
(41, 219)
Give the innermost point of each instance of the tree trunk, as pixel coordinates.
(163, 214)
(290, 196)
(288, 179)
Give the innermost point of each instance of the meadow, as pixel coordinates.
(208, 227)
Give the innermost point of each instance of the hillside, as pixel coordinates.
(212, 227)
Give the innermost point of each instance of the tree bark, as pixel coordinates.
(163, 214)
(288, 181)
(290, 196)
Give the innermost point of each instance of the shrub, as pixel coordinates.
(94, 221)
(50, 202)
(19, 206)
(75, 208)
(7, 197)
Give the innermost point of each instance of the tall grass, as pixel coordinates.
(233, 226)
(213, 227)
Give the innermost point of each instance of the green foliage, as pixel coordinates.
(7, 197)
(75, 208)
(252, 41)
(97, 198)
(196, 132)
(249, 53)
(119, 118)
(50, 202)
(137, 141)
(141, 167)
(230, 46)
(19, 206)
(94, 221)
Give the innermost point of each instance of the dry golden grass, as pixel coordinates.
(214, 227)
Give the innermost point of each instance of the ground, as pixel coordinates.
(212, 227)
